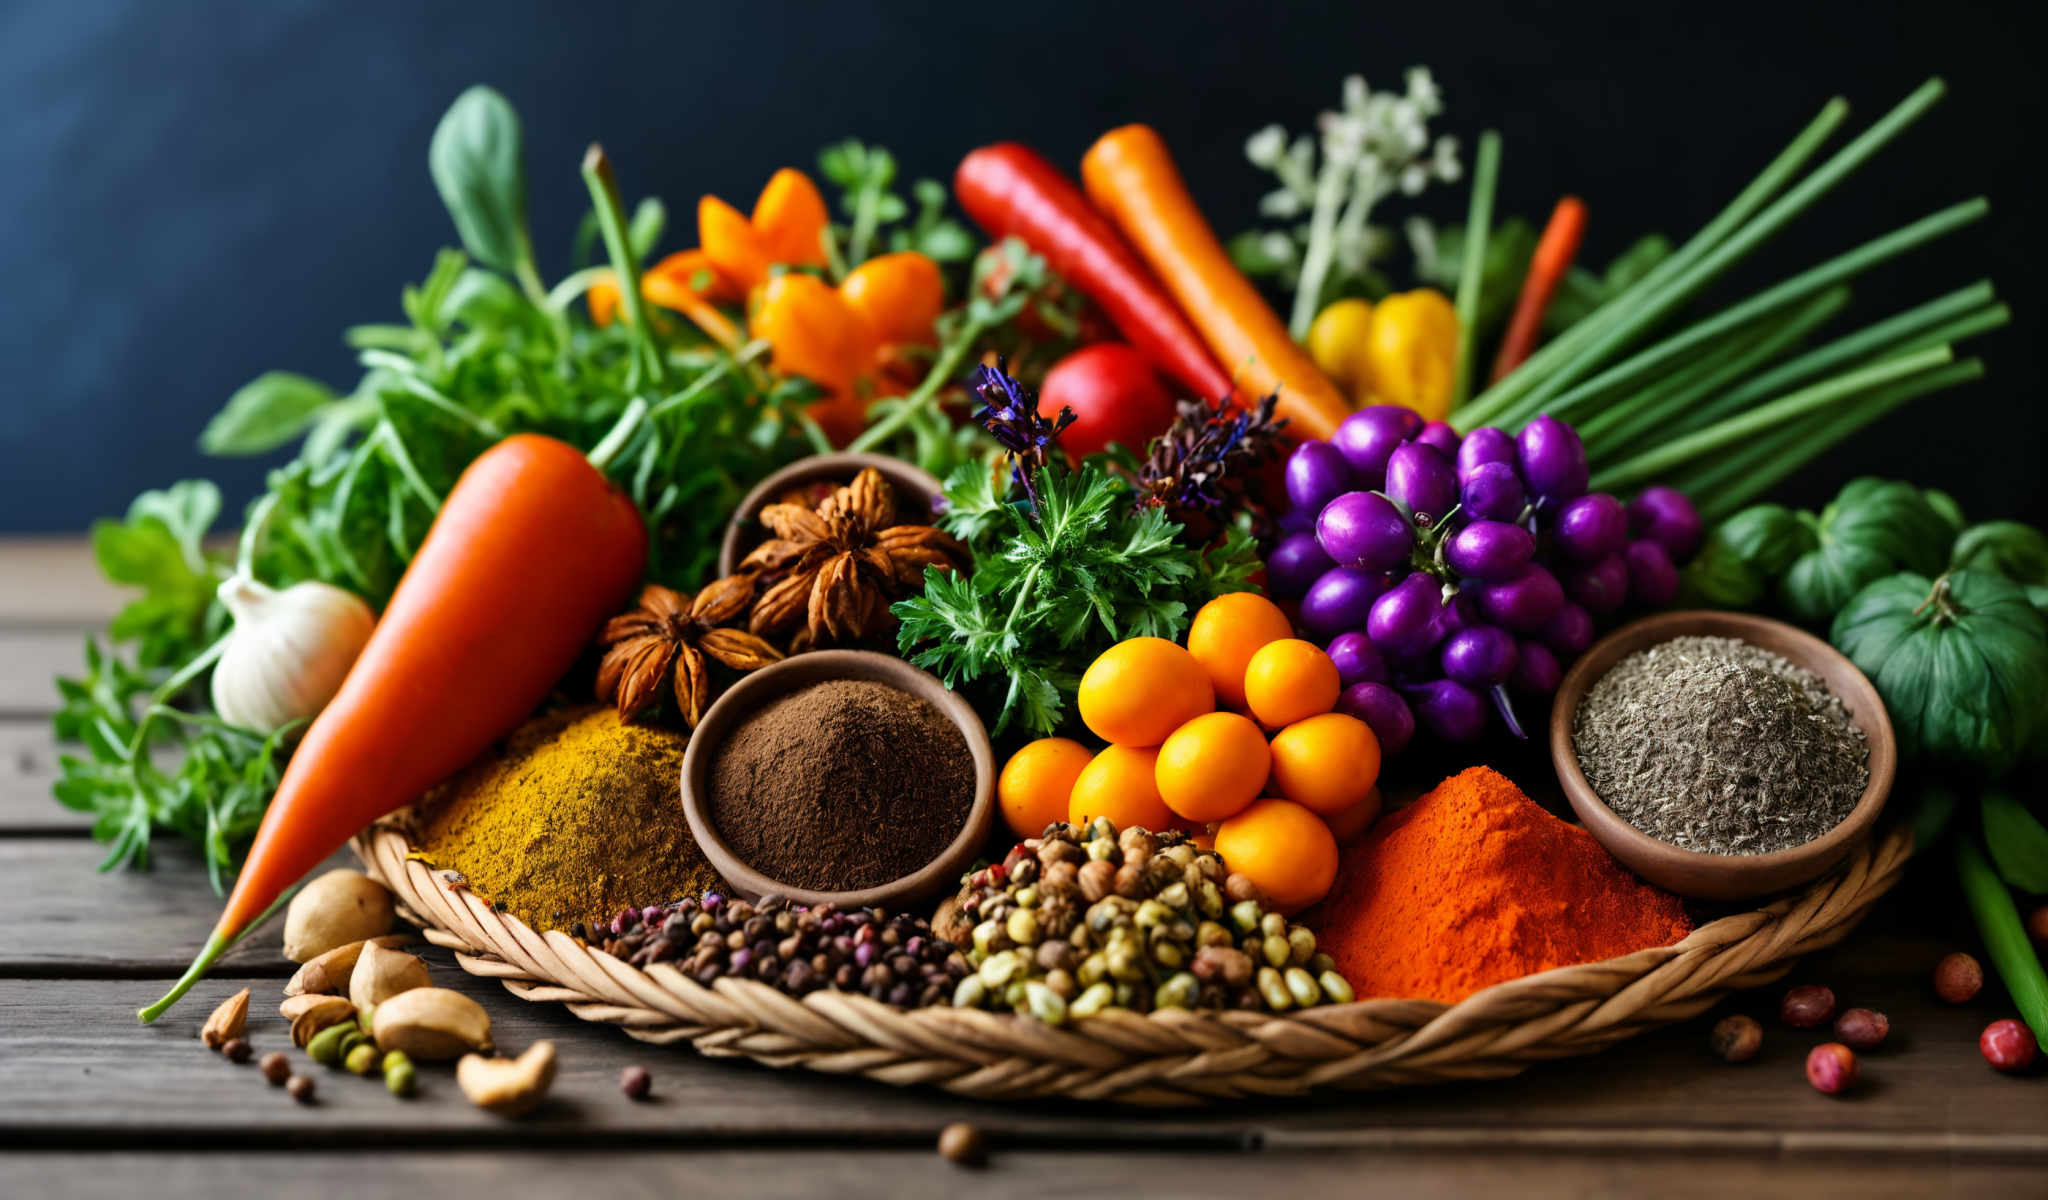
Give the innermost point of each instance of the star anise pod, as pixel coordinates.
(828, 574)
(673, 634)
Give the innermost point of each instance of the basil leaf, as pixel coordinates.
(2017, 841)
(264, 414)
(478, 161)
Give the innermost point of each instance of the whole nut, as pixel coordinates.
(227, 1021)
(1097, 879)
(340, 907)
(1958, 978)
(1736, 1038)
(431, 1024)
(330, 972)
(382, 973)
(509, 1087)
(309, 1014)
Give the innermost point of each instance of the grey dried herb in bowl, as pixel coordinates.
(1715, 745)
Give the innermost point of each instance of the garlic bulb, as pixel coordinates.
(289, 652)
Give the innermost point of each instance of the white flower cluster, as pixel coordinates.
(1376, 144)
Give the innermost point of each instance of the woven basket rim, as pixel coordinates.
(1172, 1057)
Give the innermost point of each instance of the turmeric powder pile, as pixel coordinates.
(572, 819)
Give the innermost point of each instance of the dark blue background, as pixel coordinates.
(194, 192)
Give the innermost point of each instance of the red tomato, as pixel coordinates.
(1115, 395)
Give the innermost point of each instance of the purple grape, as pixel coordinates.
(1568, 631)
(1485, 445)
(1490, 550)
(1666, 516)
(1524, 602)
(1406, 621)
(1479, 656)
(1601, 587)
(1448, 709)
(1537, 670)
(1461, 613)
(1443, 436)
(1652, 578)
(1317, 474)
(1422, 478)
(1367, 438)
(1357, 659)
(1553, 461)
(1297, 520)
(1591, 527)
(1364, 529)
(1493, 492)
(1341, 600)
(1295, 564)
(1384, 711)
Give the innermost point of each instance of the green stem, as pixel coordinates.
(622, 432)
(866, 215)
(563, 294)
(1322, 246)
(1728, 483)
(1775, 175)
(2005, 938)
(611, 221)
(1886, 335)
(1808, 282)
(1654, 462)
(942, 372)
(252, 533)
(217, 945)
(1472, 274)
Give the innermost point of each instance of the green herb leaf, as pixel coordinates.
(265, 413)
(478, 161)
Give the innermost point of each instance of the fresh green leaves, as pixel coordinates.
(158, 548)
(1051, 589)
(1581, 291)
(478, 160)
(267, 412)
(2018, 842)
(866, 177)
(1962, 664)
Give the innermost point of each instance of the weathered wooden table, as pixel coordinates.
(93, 1103)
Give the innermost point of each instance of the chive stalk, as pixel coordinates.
(1478, 227)
(2005, 938)
(1768, 183)
(1767, 417)
(611, 221)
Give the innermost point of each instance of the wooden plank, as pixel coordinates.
(29, 660)
(53, 581)
(63, 916)
(28, 766)
(1022, 1174)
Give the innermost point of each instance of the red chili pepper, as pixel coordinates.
(1010, 191)
(532, 550)
(1554, 253)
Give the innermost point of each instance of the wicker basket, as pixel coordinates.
(1167, 1058)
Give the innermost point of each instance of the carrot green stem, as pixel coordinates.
(1648, 465)
(611, 221)
(217, 945)
(1772, 179)
(1478, 227)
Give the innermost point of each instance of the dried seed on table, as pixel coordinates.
(963, 1145)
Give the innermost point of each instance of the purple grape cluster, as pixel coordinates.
(1445, 572)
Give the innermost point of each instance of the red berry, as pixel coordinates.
(2008, 1045)
(1831, 1068)
(1958, 978)
(1807, 1007)
(1862, 1028)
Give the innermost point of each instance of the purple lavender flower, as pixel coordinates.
(1010, 413)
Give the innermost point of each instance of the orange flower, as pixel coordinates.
(843, 339)
(788, 227)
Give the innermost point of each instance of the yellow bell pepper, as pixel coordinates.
(1412, 352)
(1337, 343)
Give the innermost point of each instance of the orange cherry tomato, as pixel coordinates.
(901, 295)
(1213, 766)
(1227, 632)
(1140, 690)
(1284, 848)
(1038, 782)
(1328, 762)
(1289, 680)
(1119, 784)
(790, 218)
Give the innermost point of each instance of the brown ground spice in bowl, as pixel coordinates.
(842, 786)
(572, 819)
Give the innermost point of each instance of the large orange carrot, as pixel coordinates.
(532, 550)
(1130, 175)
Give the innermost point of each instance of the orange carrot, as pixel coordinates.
(1130, 175)
(1554, 253)
(532, 550)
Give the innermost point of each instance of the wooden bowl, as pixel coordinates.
(916, 492)
(761, 688)
(1693, 873)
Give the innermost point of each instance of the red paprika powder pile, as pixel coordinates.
(1474, 884)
